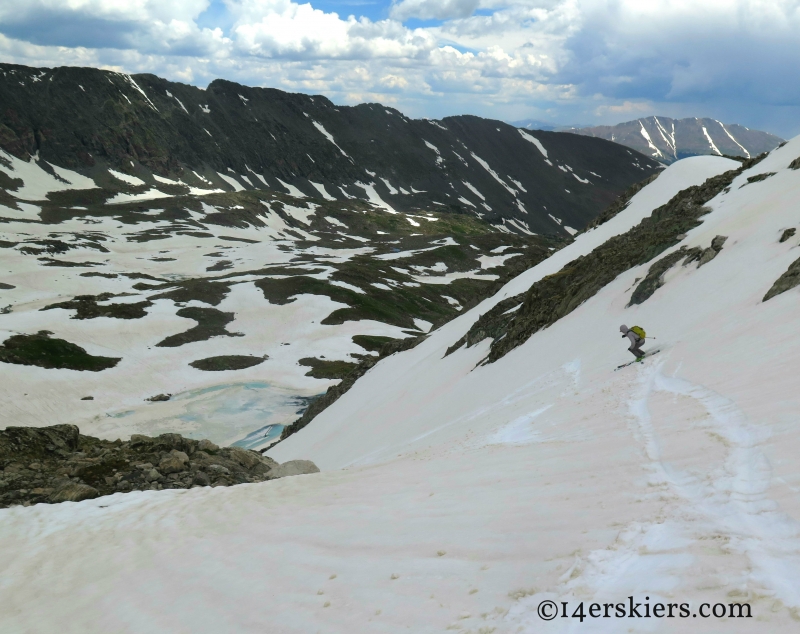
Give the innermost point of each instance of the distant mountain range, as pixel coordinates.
(668, 140)
(232, 137)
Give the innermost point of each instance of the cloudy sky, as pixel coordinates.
(562, 61)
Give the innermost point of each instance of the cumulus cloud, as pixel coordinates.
(285, 29)
(564, 60)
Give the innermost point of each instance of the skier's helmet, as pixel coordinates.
(623, 329)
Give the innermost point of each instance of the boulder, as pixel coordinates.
(294, 467)
(168, 442)
(248, 459)
(173, 463)
(207, 446)
(74, 492)
(706, 257)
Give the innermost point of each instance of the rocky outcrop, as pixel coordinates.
(785, 282)
(655, 274)
(59, 464)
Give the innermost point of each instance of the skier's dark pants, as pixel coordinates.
(636, 349)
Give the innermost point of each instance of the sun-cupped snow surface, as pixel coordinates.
(457, 498)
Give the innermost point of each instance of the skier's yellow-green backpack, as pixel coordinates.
(639, 331)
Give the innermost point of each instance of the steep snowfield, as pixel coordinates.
(457, 498)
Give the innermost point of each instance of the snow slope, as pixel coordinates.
(456, 498)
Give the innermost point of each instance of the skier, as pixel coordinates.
(637, 340)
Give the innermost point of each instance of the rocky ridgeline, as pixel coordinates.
(59, 464)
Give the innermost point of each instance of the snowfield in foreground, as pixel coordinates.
(456, 498)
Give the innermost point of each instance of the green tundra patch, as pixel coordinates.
(227, 362)
(42, 351)
(210, 323)
(324, 369)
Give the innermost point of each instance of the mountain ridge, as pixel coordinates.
(668, 140)
(230, 136)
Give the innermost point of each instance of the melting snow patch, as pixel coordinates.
(237, 186)
(730, 136)
(521, 225)
(37, 183)
(300, 213)
(422, 325)
(328, 136)
(494, 174)
(206, 110)
(537, 143)
(647, 138)
(472, 188)
(150, 194)
(321, 189)
(136, 87)
(335, 221)
(570, 230)
(518, 184)
(465, 201)
(491, 261)
(131, 180)
(711, 142)
(351, 287)
(391, 189)
(374, 198)
(169, 94)
(582, 180)
(293, 191)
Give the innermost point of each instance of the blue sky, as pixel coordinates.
(561, 61)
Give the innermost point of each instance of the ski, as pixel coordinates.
(646, 355)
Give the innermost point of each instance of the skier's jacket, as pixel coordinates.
(631, 334)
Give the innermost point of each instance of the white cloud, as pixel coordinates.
(281, 28)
